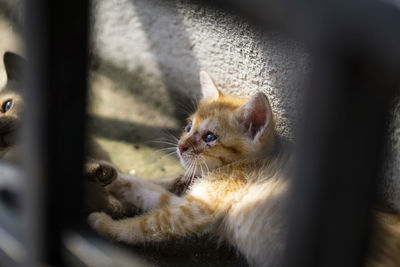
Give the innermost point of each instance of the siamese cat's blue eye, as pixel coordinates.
(7, 106)
(188, 127)
(209, 137)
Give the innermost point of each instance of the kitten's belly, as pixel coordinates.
(255, 223)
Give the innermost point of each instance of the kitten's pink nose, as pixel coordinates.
(182, 148)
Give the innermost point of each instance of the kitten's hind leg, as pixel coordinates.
(189, 218)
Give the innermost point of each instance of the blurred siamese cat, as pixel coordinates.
(11, 107)
(99, 171)
(237, 168)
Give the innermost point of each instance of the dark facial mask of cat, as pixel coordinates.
(11, 103)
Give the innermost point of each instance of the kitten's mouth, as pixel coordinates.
(8, 132)
(6, 139)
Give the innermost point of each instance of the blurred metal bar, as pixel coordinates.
(355, 54)
(86, 249)
(356, 71)
(56, 37)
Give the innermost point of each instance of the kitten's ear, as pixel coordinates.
(255, 115)
(208, 87)
(13, 65)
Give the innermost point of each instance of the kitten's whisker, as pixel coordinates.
(172, 135)
(169, 135)
(193, 174)
(160, 141)
(201, 168)
(194, 102)
(166, 149)
(193, 171)
(205, 164)
(186, 108)
(169, 148)
(163, 142)
(169, 130)
(190, 105)
(168, 155)
(188, 170)
(163, 151)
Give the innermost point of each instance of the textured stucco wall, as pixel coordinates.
(391, 168)
(162, 45)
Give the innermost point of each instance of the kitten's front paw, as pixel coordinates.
(100, 222)
(100, 172)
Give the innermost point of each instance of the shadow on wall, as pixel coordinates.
(173, 80)
(130, 132)
(160, 65)
(173, 58)
(176, 102)
(178, 105)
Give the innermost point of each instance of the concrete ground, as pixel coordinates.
(139, 138)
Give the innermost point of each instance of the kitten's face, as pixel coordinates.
(10, 116)
(11, 102)
(225, 129)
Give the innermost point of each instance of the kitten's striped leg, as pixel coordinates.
(158, 225)
(142, 193)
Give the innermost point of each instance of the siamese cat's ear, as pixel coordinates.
(255, 115)
(208, 87)
(13, 64)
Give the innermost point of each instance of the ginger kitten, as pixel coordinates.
(231, 145)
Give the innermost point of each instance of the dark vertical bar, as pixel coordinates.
(56, 34)
(355, 53)
(355, 75)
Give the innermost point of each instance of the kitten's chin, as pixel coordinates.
(6, 140)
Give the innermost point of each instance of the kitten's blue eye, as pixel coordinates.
(209, 137)
(188, 127)
(6, 106)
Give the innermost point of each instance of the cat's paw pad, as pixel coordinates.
(99, 172)
(99, 221)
